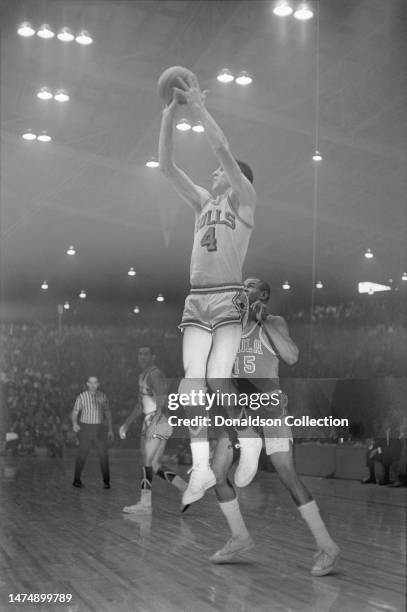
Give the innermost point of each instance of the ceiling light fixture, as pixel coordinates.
(84, 38)
(61, 96)
(152, 163)
(317, 157)
(82, 294)
(286, 285)
(198, 128)
(45, 32)
(369, 254)
(225, 76)
(303, 13)
(132, 272)
(66, 306)
(319, 285)
(65, 35)
(44, 93)
(44, 137)
(44, 285)
(183, 125)
(244, 78)
(282, 9)
(26, 30)
(136, 310)
(160, 297)
(28, 135)
(71, 250)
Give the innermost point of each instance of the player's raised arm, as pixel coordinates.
(241, 185)
(193, 194)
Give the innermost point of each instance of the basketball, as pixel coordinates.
(170, 79)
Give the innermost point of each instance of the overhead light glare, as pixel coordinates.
(152, 163)
(369, 254)
(317, 157)
(183, 125)
(45, 32)
(282, 9)
(82, 294)
(198, 128)
(303, 13)
(65, 35)
(225, 76)
(84, 38)
(44, 285)
(28, 135)
(132, 272)
(61, 96)
(286, 285)
(26, 30)
(319, 285)
(160, 297)
(404, 276)
(66, 306)
(136, 310)
(44, 137)
(71, 250)
(244, 78)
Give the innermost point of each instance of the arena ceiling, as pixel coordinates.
(89, 187)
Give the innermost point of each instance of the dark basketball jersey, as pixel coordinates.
(220, 244)
(256, 358)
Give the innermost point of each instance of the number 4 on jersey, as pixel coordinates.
(209, 240)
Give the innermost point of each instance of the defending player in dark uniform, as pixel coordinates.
(215, 308)
(155, 431)
(265, 340)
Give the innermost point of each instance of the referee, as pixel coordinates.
(92, 405)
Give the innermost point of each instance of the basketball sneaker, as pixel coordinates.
(250, 449)
(324, 562)
(233, 547)
(143, 506)
(202, 478)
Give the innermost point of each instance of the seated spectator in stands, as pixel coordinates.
(400, 466)
(383, 452)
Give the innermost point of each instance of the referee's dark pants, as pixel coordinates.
(95, 434)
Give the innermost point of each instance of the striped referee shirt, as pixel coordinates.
(92, 406)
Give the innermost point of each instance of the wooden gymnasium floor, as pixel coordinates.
(57, 539)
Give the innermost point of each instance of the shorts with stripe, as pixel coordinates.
(154, 427)
(212, 307)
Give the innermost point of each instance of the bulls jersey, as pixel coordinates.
(256, 358)
(220, 243)
(146, 393)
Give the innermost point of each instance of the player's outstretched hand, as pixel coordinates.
(260, 310)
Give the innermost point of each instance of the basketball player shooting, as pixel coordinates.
(214, 309)
(265, 340)
(155, 431)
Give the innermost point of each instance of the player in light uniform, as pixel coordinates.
(265, 340)
(215, 307)
(155, 432)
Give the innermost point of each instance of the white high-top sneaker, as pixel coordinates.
(202, 478)
(143, 506)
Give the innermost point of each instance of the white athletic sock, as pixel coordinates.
(145, 497)
(310, 514)
(200, 453)
(232, 513)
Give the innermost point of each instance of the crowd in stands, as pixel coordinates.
(43, 369)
